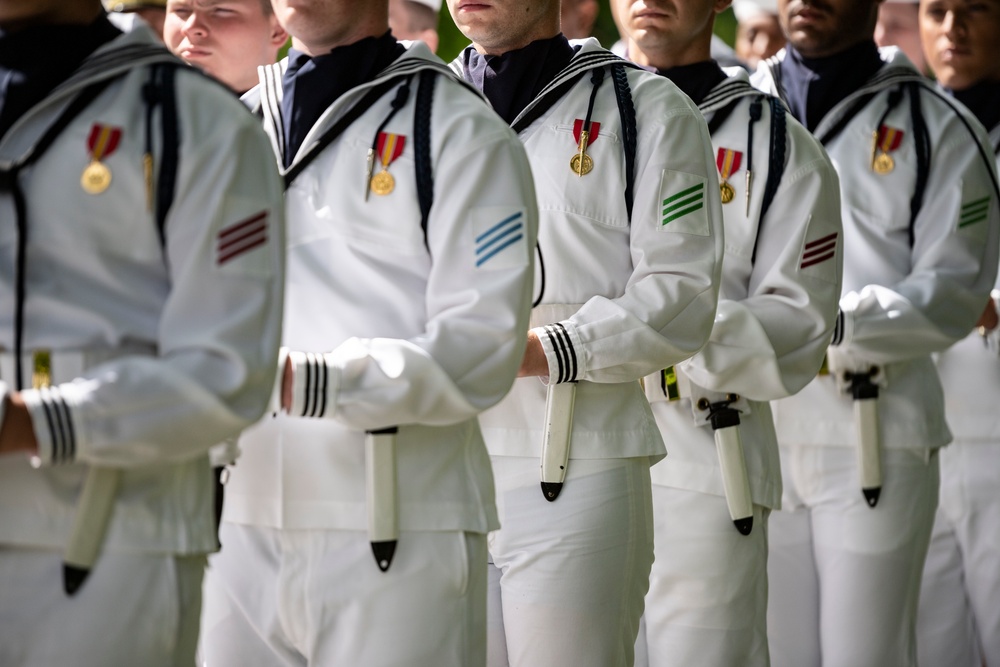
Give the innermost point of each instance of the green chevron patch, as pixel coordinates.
(682, 206)
(974, 211)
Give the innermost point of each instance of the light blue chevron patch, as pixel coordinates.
(499, 238)
(682, 204)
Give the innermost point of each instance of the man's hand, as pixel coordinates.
(287, 383)
(534, 362)
(988, 320)
(17, 434)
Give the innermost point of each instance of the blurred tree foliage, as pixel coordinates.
(452, 41)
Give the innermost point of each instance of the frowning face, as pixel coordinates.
(498, 26)
(818, 28)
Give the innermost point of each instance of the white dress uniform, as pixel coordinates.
(621, 299)
(148, 361)
(845, 576)
(387, 325)
(781, 276)
(958, 622)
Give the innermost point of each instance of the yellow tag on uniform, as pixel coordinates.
(41, 369)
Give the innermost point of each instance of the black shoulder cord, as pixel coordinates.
(422, 147)
(720, 116)
(922, 141)
(775, 163)
(9, 182)
(630, 139)
(160, 91)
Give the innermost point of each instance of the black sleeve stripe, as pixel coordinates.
(63, 409)
(838, 329)
(563, 337)
(315, 362)
(308, 389)
(325, 373)
(57, 453)
(559, 353)
(59, 424)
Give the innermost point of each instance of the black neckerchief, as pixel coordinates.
(813, 86)
(311, 85)
(696, 80)
(512, 80)
(983, 100)
(35, 60)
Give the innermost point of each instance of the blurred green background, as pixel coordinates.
(452, 41)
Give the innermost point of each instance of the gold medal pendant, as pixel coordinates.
(883, 163)
(581, 164)
(383, 183)
(96, 178)
(727, 192)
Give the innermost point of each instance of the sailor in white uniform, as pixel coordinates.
(629, 253)
(859, 444)
(712, 495)
(142, 257)
(355, 522)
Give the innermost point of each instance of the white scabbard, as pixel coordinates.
(93, 513)
(382, 500)
(558, 433)
(869, 449)
(729, 446)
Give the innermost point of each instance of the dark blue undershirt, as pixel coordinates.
(34, 61)
(511, 81)
(312, 84)
(983, 100)
(696, 80)
(813, 86)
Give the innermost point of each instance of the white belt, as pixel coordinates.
(64, 365)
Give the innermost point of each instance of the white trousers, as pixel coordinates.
(707, 599)
(134, 609)
(958, 624)
(316, 597)
(567, 578)
(844, 577)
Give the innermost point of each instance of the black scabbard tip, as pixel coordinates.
(384, 552)
(871, 495)
(744, 525)
(551, 490)
(73, 578)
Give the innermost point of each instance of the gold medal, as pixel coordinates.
(727, 192)
(883, 163)
(383, 183)
(96, 178)
(581, 164)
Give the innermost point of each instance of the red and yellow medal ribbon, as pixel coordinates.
(889, 138)
(728, 162)
(389, 146)
(103, 141)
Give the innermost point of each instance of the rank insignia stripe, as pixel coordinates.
(685, 204)
(819, 250)
(682, 203)
(974, 211)
(499, 238)
(241, 237)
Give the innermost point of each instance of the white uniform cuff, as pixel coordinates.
(52, 420)
(560, 343)
(315, 381)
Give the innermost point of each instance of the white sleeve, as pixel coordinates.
(481, 235)
(771, 344)
(666, 312)
(220, 322)
(954, 263)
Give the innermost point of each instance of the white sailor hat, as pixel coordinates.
(431, 4)
(747, 9)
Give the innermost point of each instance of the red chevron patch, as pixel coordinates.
(241, 237)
